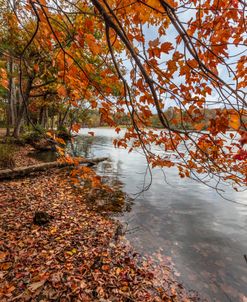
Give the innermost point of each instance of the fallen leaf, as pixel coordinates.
(34, 286)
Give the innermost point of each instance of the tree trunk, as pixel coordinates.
(17, 127)
(52, 122)
(21, 112)
(8, 110)
(63, 119)
(10, 67)
(7, 122)
(44, 118)
(46, 122)
(40, 115)
(24, 171)
(13, 102)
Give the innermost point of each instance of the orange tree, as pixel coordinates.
(156, 54)
(26, 64)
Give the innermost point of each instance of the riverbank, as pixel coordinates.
(80, 255)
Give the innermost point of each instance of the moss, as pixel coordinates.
(7, 152)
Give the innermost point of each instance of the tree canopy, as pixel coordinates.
(177, 60)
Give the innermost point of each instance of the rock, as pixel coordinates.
(41, 218)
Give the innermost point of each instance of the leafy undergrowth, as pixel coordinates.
(77, 256)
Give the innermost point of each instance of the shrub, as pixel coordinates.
(34, 135)
(63, 132)
(7, 152)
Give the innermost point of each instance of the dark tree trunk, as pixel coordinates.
(63, 119)
(52, 122)
(8, 122)
(41, 115)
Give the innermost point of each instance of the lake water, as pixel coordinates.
(205, 235)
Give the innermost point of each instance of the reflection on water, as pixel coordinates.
(205, 234)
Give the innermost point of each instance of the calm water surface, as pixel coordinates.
(205, 235)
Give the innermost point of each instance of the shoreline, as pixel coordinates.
(80, 255)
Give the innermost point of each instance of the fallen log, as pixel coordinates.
(24, 171)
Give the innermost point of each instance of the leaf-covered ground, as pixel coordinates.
(22, 158)
(77, 256)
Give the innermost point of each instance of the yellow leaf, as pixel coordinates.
(73, 251)
(53, 230)
(69, 253)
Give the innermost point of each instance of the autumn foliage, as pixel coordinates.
(142, 57)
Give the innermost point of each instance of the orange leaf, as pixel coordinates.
(36, 67)
(166, 47)
(60, 141)
(76, 127)
(10, 289)
(243, 139)
(3, 255)
(93, 46)
(94, 104)
(199, 127)
(117, 129)
(62, 91)
(234, 122)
